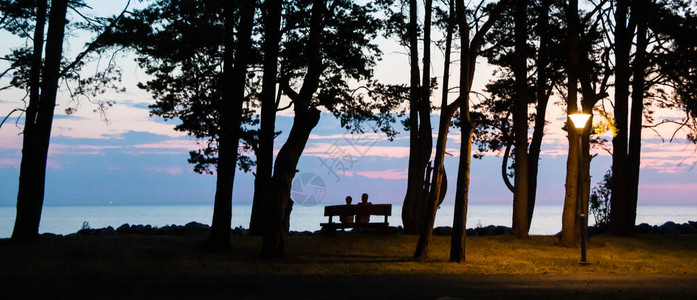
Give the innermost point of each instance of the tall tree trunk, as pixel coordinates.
(36, 65)
(619, 211)
(413, 206)
(634, 161)
(468, 57)
(233, 87)
(276, 235)
(37, 133)
(542, 91)
(467, 53)
(570, 232)
(520, 123)
(425, 130)
(438, 182)
(262, 181)
(306, 118)
(426, 233)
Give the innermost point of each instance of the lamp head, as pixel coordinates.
(579, 119)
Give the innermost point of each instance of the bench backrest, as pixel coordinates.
(344, 210)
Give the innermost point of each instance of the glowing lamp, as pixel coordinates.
(579, 120)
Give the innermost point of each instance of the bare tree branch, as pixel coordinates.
(94, 44)
(10, 114)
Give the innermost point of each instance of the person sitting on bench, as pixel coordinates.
(362, 218)
(349, 218)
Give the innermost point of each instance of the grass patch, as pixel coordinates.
(137, 256)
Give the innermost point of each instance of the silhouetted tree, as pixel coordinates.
(470, 50)
(546, 78)
(438, 180)
(639, 66)
(43, 84)
(623, 41)
(199, 53)
(195, 30)
(267, 132)
(674, 57)
(642, 46)
(403, 22)
(235, 63)
(418, 123)
(493, 113)
(588, 66)
(570, 233)
(600, 201)
(327, 45)
(320, 49)
(520, 123)
(39, 69)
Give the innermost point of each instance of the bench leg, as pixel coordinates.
(329, 230)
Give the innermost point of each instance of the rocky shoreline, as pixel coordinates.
(197, 229)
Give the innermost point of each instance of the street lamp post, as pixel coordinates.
(579, 121)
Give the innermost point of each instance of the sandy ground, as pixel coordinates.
(582, 286)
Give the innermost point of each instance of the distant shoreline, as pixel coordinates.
(669, 228)
(69, 219)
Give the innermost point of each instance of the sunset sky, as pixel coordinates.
(132, 158)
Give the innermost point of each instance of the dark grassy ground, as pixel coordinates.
(349, 266)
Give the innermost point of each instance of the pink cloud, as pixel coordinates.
(673, 187)
(52, 164)
(335, 150)
(172, 171)
(174, 144)
(10, 138)
(671, 193)
(391, 174)
(668, 157)
(79, 149)
(154, 152)
(15, 163)
(9, 163)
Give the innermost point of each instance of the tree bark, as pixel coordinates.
(570, 233)
(439, 180)
(36, 65)
(457, 239)
(413, 206)
(438, 185)
(425, 129)
(520, 124)
(37, 132)
(262, 181)
(306, 118)
(619, 211)
(468, 56)
(542, 91)
(634, 159)
(233, 87)
(276, 235)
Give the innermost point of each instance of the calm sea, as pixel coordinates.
(69, 219)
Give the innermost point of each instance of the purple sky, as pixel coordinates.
(136, 159)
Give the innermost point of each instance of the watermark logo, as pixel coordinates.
(338, 160)
(308, 189)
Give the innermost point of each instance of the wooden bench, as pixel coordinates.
(354, 210)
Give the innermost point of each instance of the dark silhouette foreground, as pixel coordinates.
(139, 263)
(372, 287)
